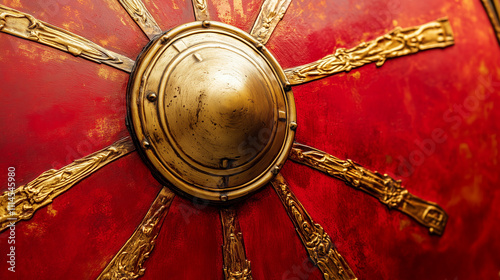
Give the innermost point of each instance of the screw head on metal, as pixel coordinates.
(293, 126)
(276, 170)
(146, 144)
(152, 96)
(164, 39)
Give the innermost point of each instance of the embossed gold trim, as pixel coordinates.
(200, 9)
(493, 10)
(26, 26)
(236, 265)
(317, 242)
(386, 189)
(271, 12)
(128, 262)
(52, 183)
(140, 14)
(399, 42)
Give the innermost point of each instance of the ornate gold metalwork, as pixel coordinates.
(493, 10)
(213, 130)
(399, 42)
(201, 10)
(383, 187)
(26, 26)
(271, 12)
(236, 266)
(52, 183)
(317, 242)
(250, 142)
(128, 262)
(140, 14)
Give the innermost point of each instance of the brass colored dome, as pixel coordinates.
(210, 110)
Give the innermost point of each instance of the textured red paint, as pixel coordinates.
(377, 117)
(169, 14)
(238, 13)
(86, 226)
(189, 246)
(56, 107)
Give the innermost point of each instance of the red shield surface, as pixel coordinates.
(429, 119)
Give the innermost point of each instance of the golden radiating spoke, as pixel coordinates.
(236, 265)
(271, 12)
(26, 26)
(141, 15)
(399, 42)
(493, 10)
(23, 202)
(200, 10)
(383, 187)
(128, 262)
(317, 242)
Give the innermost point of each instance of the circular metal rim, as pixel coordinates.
(167, 178)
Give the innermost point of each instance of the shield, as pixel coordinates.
(260, 139)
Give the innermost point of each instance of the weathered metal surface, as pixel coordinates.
(18, 204)
(236, 265)
(271, 12)
(211, 112)
(399, 42)
(140, 14)
(387, 190)
(27, 27)
(200, 9)
(317, 242)
(128, 263)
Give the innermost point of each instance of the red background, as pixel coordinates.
(56, 108)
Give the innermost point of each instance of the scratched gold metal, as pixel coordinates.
(399, 42)
(200, 9)
(493, 10)
(318, 243)
(213, 130)
(26, 26)
(236, 265)
(271, 13)
(140, 14)
(50, 184)
(128, 263)
(386, 189)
